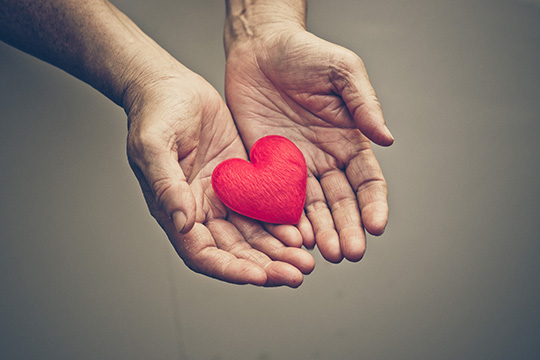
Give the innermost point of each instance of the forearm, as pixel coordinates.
(90, 39)
(247, 19)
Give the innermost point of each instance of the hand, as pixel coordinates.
(291, 83)
(179, 130)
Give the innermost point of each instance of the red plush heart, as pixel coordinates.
(271, 188)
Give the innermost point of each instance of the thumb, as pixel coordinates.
(166, 189)
(351, 81)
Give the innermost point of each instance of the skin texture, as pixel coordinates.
(279, 80)
(179, 130)
(283, 80)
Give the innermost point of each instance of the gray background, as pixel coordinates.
(86, 273)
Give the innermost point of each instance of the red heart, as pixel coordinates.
(271, 188)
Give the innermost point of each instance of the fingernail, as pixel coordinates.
(179, 219)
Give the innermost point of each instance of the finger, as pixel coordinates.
(326, 237)
(230, 239)
(172, 191)
(198, 250)
(287, 234)
(344, 206)
(366, 178)
(162, 172)
(296, 259)
(306, 230)
(351, 81)
(279, 275)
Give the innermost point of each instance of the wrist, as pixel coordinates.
(248, 21)
(143, 80)
(131, 62)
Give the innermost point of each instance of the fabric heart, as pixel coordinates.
(271, 188)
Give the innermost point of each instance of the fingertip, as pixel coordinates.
(296, 284)
(354, 249)
(388, 135)
(381, 135)
(179, 219)
(334, 258)
(306, 230)
(287, 234)
(375, 221)
(299, 258)
(376, 229)
(328, 244)
(308, 264)
(279, 274)
(356, 257)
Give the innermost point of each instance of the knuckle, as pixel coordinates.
(372, 189)
(343, 66)
(142, 144)
(316, 206)
(345, 203)
(138, 139)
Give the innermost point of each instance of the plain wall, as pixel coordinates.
(86, 273)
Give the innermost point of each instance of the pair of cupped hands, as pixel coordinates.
(289, 83)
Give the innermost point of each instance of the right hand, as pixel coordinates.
(179, 130)
(286, 81)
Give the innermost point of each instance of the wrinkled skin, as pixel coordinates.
(179, 130)
(317, 94)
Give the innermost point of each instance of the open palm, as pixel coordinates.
(318, 95)
(179, 130)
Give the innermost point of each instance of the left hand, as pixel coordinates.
(317, 94)
(179, 130)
